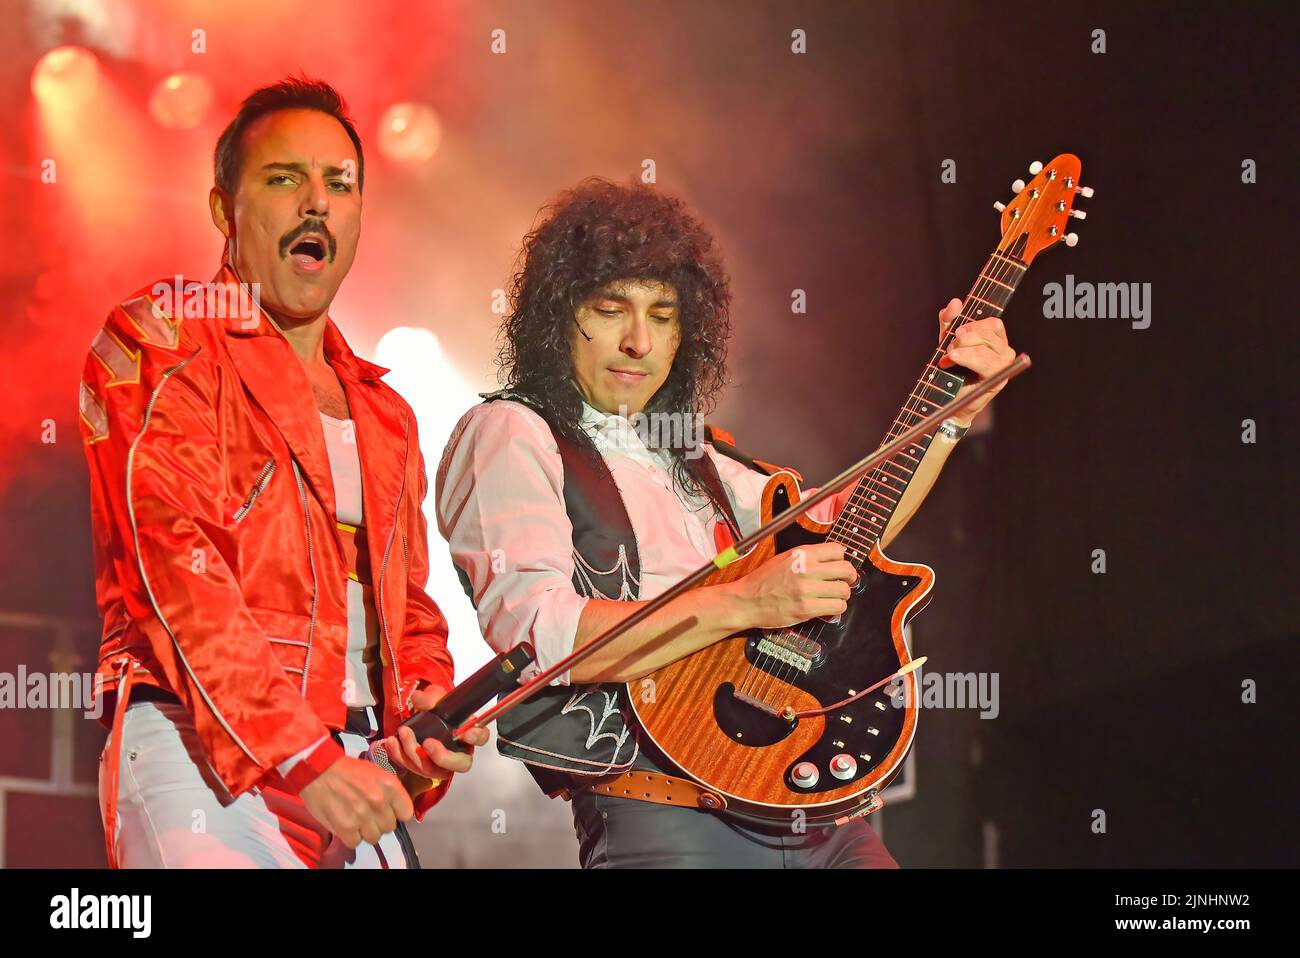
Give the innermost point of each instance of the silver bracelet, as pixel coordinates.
(951, 432)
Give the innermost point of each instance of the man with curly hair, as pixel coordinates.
(564, 511)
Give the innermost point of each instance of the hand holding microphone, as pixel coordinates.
(424, 743)
(429, 758)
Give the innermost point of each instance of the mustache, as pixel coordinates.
(301, 230)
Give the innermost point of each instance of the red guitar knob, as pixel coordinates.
(805, 775)
(843, 766)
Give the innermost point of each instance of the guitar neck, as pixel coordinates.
(869, 509)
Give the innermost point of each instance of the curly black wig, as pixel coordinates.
(592, 235)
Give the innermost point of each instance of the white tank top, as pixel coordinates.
(363, 666)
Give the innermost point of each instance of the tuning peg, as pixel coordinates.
(1071, 239)
(999, 206)
(1086, 192)
(1017, 186)
(1035, 168)
(1079, 214)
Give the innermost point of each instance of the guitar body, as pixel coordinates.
(749, 755)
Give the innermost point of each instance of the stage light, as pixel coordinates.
(409, 132)
(181, 101)
(65, 77)
(422, 374)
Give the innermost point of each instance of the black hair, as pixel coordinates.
(597, 233)
(291, 93)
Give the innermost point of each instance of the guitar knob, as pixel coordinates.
(1086, 192)
(1079, 214)
(1017, 186)
(805, 775)
(1071, 239)
(999, 206)
(1035, 168)
(844, 766)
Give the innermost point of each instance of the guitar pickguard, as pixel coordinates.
(855, 652)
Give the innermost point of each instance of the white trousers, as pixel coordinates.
(173, 811)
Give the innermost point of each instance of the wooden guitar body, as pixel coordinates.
(749, 755)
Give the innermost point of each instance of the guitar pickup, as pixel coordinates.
(791, 648)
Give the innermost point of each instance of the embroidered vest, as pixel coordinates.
(587, 730)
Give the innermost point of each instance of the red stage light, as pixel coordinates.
(409, 132)
(181, 101)
(65, 77)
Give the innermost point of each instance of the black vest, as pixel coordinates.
(588, 730)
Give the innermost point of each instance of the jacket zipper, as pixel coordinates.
(311, 561)
(263, 478)
(383, 570)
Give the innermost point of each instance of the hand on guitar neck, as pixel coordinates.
(980, 346)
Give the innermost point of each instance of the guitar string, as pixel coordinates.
(1001, 270)
(781, 672)
(871, 483)
(984, 291)
(877, 480)
(855, 539)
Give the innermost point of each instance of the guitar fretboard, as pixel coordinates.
(868, 510)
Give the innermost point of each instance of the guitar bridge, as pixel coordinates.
(756, 703)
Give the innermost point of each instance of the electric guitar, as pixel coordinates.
(775, 720)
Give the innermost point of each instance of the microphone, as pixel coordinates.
(498, 676)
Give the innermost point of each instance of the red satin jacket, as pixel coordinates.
(220, 573)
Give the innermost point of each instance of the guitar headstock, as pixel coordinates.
(1038, 216)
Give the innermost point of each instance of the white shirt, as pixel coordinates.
(363, 634)
(500, 502)
(363, 624)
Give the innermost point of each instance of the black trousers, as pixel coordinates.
(624, 833)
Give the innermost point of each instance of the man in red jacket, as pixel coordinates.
(259, 542)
